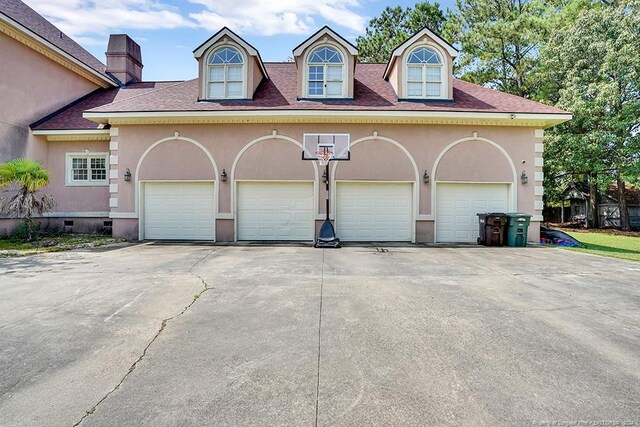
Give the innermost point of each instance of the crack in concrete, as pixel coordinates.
(163, 325)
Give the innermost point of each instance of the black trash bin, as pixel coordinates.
(492, 229)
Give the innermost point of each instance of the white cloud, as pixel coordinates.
(81, 19)
(277, 17)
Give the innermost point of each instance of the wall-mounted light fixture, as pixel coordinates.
(223, 176)
(425, 177)
(127, 175)
(324, 176)
(524, 178)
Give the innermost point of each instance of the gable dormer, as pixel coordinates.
(421, 68)
(229, 68)
(326, 64)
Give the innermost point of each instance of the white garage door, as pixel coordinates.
(374, 212)
(275, 211)
(179, 210)
(458, 204)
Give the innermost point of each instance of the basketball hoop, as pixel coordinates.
(324, 156)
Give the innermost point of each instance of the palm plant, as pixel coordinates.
(25, 178)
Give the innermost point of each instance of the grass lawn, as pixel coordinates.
(9, 248)
(605, 244)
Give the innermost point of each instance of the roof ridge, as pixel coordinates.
(145, 93)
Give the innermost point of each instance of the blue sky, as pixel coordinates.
(169, 30)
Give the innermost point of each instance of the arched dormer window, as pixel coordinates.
(424, 74)
(325, 75)
(226, 74)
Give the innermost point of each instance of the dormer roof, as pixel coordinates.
(324, 31)
(225, 32)
(398, 51)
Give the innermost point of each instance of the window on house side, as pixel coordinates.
(424, 74)
(325, 69)
(225, 74)
(87, 169)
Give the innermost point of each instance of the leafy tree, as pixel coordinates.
(28, 178)
(394, 26)
(594, 64)
(500, 41)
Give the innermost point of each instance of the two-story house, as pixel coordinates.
(219, 157)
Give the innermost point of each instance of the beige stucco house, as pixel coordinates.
(219, 157)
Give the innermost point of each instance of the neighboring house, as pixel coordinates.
(577, 194)
(219, 157)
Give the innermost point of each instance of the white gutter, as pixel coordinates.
(95, 116)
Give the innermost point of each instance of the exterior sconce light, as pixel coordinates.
(425, 177)
(524, 178)
(223, 176)
(324, 177)
(127, 175)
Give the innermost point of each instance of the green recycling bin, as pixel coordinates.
(517, 227)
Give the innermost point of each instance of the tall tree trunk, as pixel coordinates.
(622, 204)
(594, 209)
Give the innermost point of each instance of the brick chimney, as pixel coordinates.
(124, 59)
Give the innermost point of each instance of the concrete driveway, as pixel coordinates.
(199, 335)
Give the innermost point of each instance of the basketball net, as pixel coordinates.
(324, 156)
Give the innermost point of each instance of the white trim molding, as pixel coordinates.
(113, 174)
(113, 145)
(74, 134)
(76, 215)
(539, 176)
(113, 202)
(123, 215)
(539, 147)
(538, 205)
(539, 133)
(538, 190)
(328, 116)
(539, 162)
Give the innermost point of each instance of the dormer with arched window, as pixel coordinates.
(421, 69)
(326, 64)
(226, 70)
(229, 68)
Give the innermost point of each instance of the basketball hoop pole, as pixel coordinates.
(326, 171)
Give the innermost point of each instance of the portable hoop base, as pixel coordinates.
(327, 236)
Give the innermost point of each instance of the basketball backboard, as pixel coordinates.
(315, 146)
